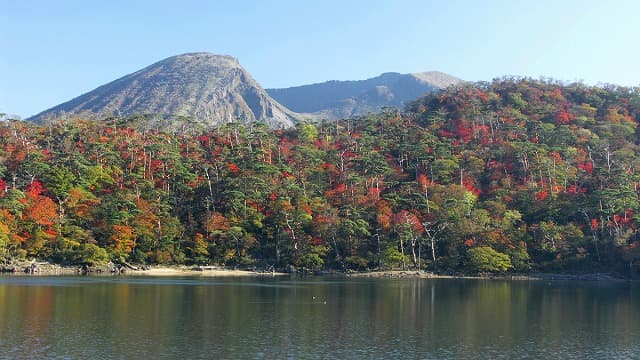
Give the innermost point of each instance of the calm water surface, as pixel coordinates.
(325, 318)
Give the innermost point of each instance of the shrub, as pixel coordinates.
(393, 258)
(356, 263)
(311, 261)
(485, 259)
(92, 254)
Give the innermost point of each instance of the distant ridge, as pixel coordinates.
(212, 89)
(343, 99)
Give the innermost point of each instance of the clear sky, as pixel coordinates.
(53, 51)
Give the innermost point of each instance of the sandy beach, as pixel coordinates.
(46, 268)
(209, 272)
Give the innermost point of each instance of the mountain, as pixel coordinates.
(212, 89)
(343, 99)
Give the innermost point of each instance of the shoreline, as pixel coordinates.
(50, 269)
(414, 274)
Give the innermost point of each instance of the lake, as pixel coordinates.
(126, 317)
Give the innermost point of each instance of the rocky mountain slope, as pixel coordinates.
(342, 99)
(210, 88)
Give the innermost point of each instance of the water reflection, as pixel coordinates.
(317, 318)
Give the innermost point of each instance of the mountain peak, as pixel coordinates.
(210, 88)
(436, 78)
(204, 57)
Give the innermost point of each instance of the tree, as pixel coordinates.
(122, 241)
(432, 231)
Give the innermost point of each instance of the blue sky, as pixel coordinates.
(53, 51)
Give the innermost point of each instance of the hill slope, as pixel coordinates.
(343, 99)
(213, 89)
(510, 175)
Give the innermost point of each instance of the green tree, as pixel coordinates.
(485, 259)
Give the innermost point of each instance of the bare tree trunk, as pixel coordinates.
(433, 250)
(413, 252)
(404, 265)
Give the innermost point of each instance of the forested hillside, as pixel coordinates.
(514, 175)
